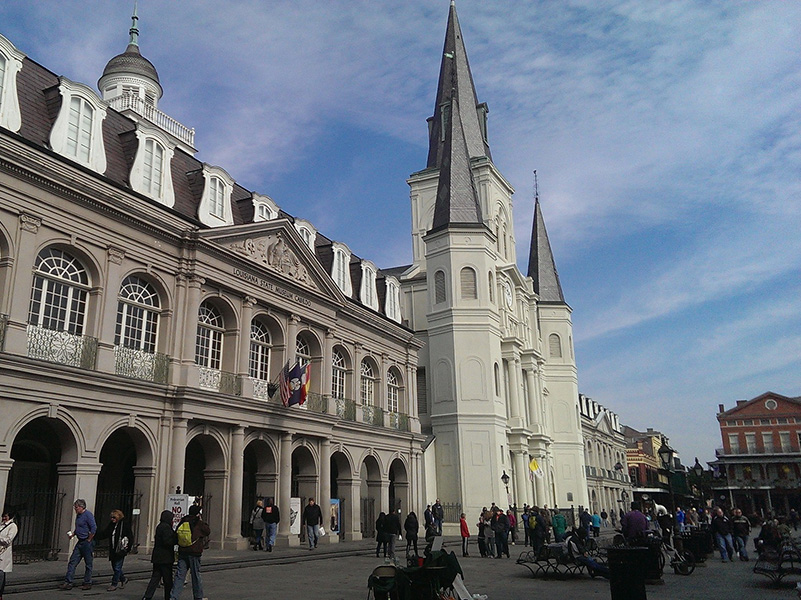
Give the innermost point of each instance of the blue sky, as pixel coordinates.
(666, 136)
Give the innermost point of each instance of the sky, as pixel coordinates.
(666, 137)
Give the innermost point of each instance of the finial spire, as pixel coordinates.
(134, 31)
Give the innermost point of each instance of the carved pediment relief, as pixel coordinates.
(273, 252)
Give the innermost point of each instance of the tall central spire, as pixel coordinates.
(456, 80)
(134, 31)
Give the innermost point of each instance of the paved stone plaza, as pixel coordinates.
(339, 572)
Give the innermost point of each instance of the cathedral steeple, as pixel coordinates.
(541, 265)
(134, 31)
(456, 80)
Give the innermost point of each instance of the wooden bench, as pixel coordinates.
(553, 559)
(777, 565)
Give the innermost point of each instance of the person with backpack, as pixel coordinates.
(559, 524)
(162, 557)
(257, 524)
(191, 533)
(120, 541)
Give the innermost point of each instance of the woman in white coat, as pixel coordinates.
(8, 531)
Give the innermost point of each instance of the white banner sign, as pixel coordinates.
(178, 504)
(294, 516)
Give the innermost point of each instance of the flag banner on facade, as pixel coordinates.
(294, 384)
(534, 468)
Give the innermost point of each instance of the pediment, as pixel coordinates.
(276, 247)
(603, 423)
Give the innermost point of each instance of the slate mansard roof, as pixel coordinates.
(40, 103)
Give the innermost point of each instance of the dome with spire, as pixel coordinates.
(131, 62)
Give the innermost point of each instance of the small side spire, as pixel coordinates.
(541, 265)
(134, 31)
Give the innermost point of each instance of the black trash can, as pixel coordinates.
(627, 567)
(697, 544)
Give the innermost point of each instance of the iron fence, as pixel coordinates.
(373, 415)
(127, 502)
(316, 403)
(139, 364)
(62, 347)
(399, 421)
(452, 512)
(38, 516)
(346, 409)
(220, 381)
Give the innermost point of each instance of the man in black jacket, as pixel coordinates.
(721, 527)
(271, 516)
(189, 556)
(312, 518)
(162, 557)
(741, 529)
(394, 530)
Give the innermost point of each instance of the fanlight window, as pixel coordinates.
(58, 298)
(137, 315)
(367, 383)
(259, 351)
(393, 392)
(338, 372)
(79, 129)
(302, 352)
(208, 347)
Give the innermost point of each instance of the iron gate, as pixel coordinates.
(38, 517)
(127, 502)
(368, 518)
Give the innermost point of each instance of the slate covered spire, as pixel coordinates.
(456, 80)
(541, 266)
(457, 200)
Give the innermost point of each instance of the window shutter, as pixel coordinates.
(439, 287)
(468, 284)
(555, 346)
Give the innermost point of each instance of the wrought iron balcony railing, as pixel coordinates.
(373, 415)
(62, 347)
(399, 421)
(140, 364)
(220, 381)
(346, 409)
(316, 403)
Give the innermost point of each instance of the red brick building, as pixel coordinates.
(761, 454)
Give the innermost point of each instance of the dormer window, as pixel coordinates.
(264, 209)
(215, 205)
(150, 174)
(78, 130)
(340, 270)
(307, 232)
(392, 301)
(10, 65)
(367, 293)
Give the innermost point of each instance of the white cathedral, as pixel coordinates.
(497, 381)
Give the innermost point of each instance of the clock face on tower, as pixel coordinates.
(507, 294)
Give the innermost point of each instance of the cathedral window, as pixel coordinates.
(554, 346)
(467, 278)
(439, 287)
(10, 65)
(59, 294)
(338, 373)
(78, 130)
(208, 345)
(260, 347)
(137, 315)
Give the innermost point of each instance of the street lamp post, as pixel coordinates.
(505, 479)
(666, 455)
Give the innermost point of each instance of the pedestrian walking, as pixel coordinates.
(312, 518)
(464, 531)
(500, 526)
(85, 531)
(741, 529)
(524, 518)
(8, 531)
(596, 524)
(381, 536)
(162, 557)
(120, 541)
(482, 537)
(191, 533)
(634, 524)
(257, 524)
(721, 527)
(271, 516)
(559, 525)
(439, 515)
(412, 528)
(604, 518)
(585, 520)
(512, 526)
(538, 525)
(393, 531)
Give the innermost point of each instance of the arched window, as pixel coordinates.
(367, 383)
(208, 347)
(58, 297)
(393, 392)
(338, 373)
(260, 345)
(79, 129)
(491, 287)
(302, 352)
(439, 287)
(137, 315)
(153, 168)
(554, 346)
(467, 278)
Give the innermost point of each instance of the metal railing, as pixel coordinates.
(373, 415)
(139, 364)
(346, 409)
(755, 451)
(220, 381)
(155, 116)
(38, 517)
(316, 403)
(399, 421)
(62, 347)
(451, 512)
(3, 325)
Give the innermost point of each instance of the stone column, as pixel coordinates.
(514, 392)
(236, 473)
(292, 338)
(522, 487)
(325, 487)
(214, 513)
(178, 458)
(78, 480)
(6, 462)
(326, 372)
(243, 364)
(17, 305)
(534, 411)
(190, 376)
(106, 324)
(150, 509)
(350, 490)
(285, 489)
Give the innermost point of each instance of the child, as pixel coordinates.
(465, 531)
